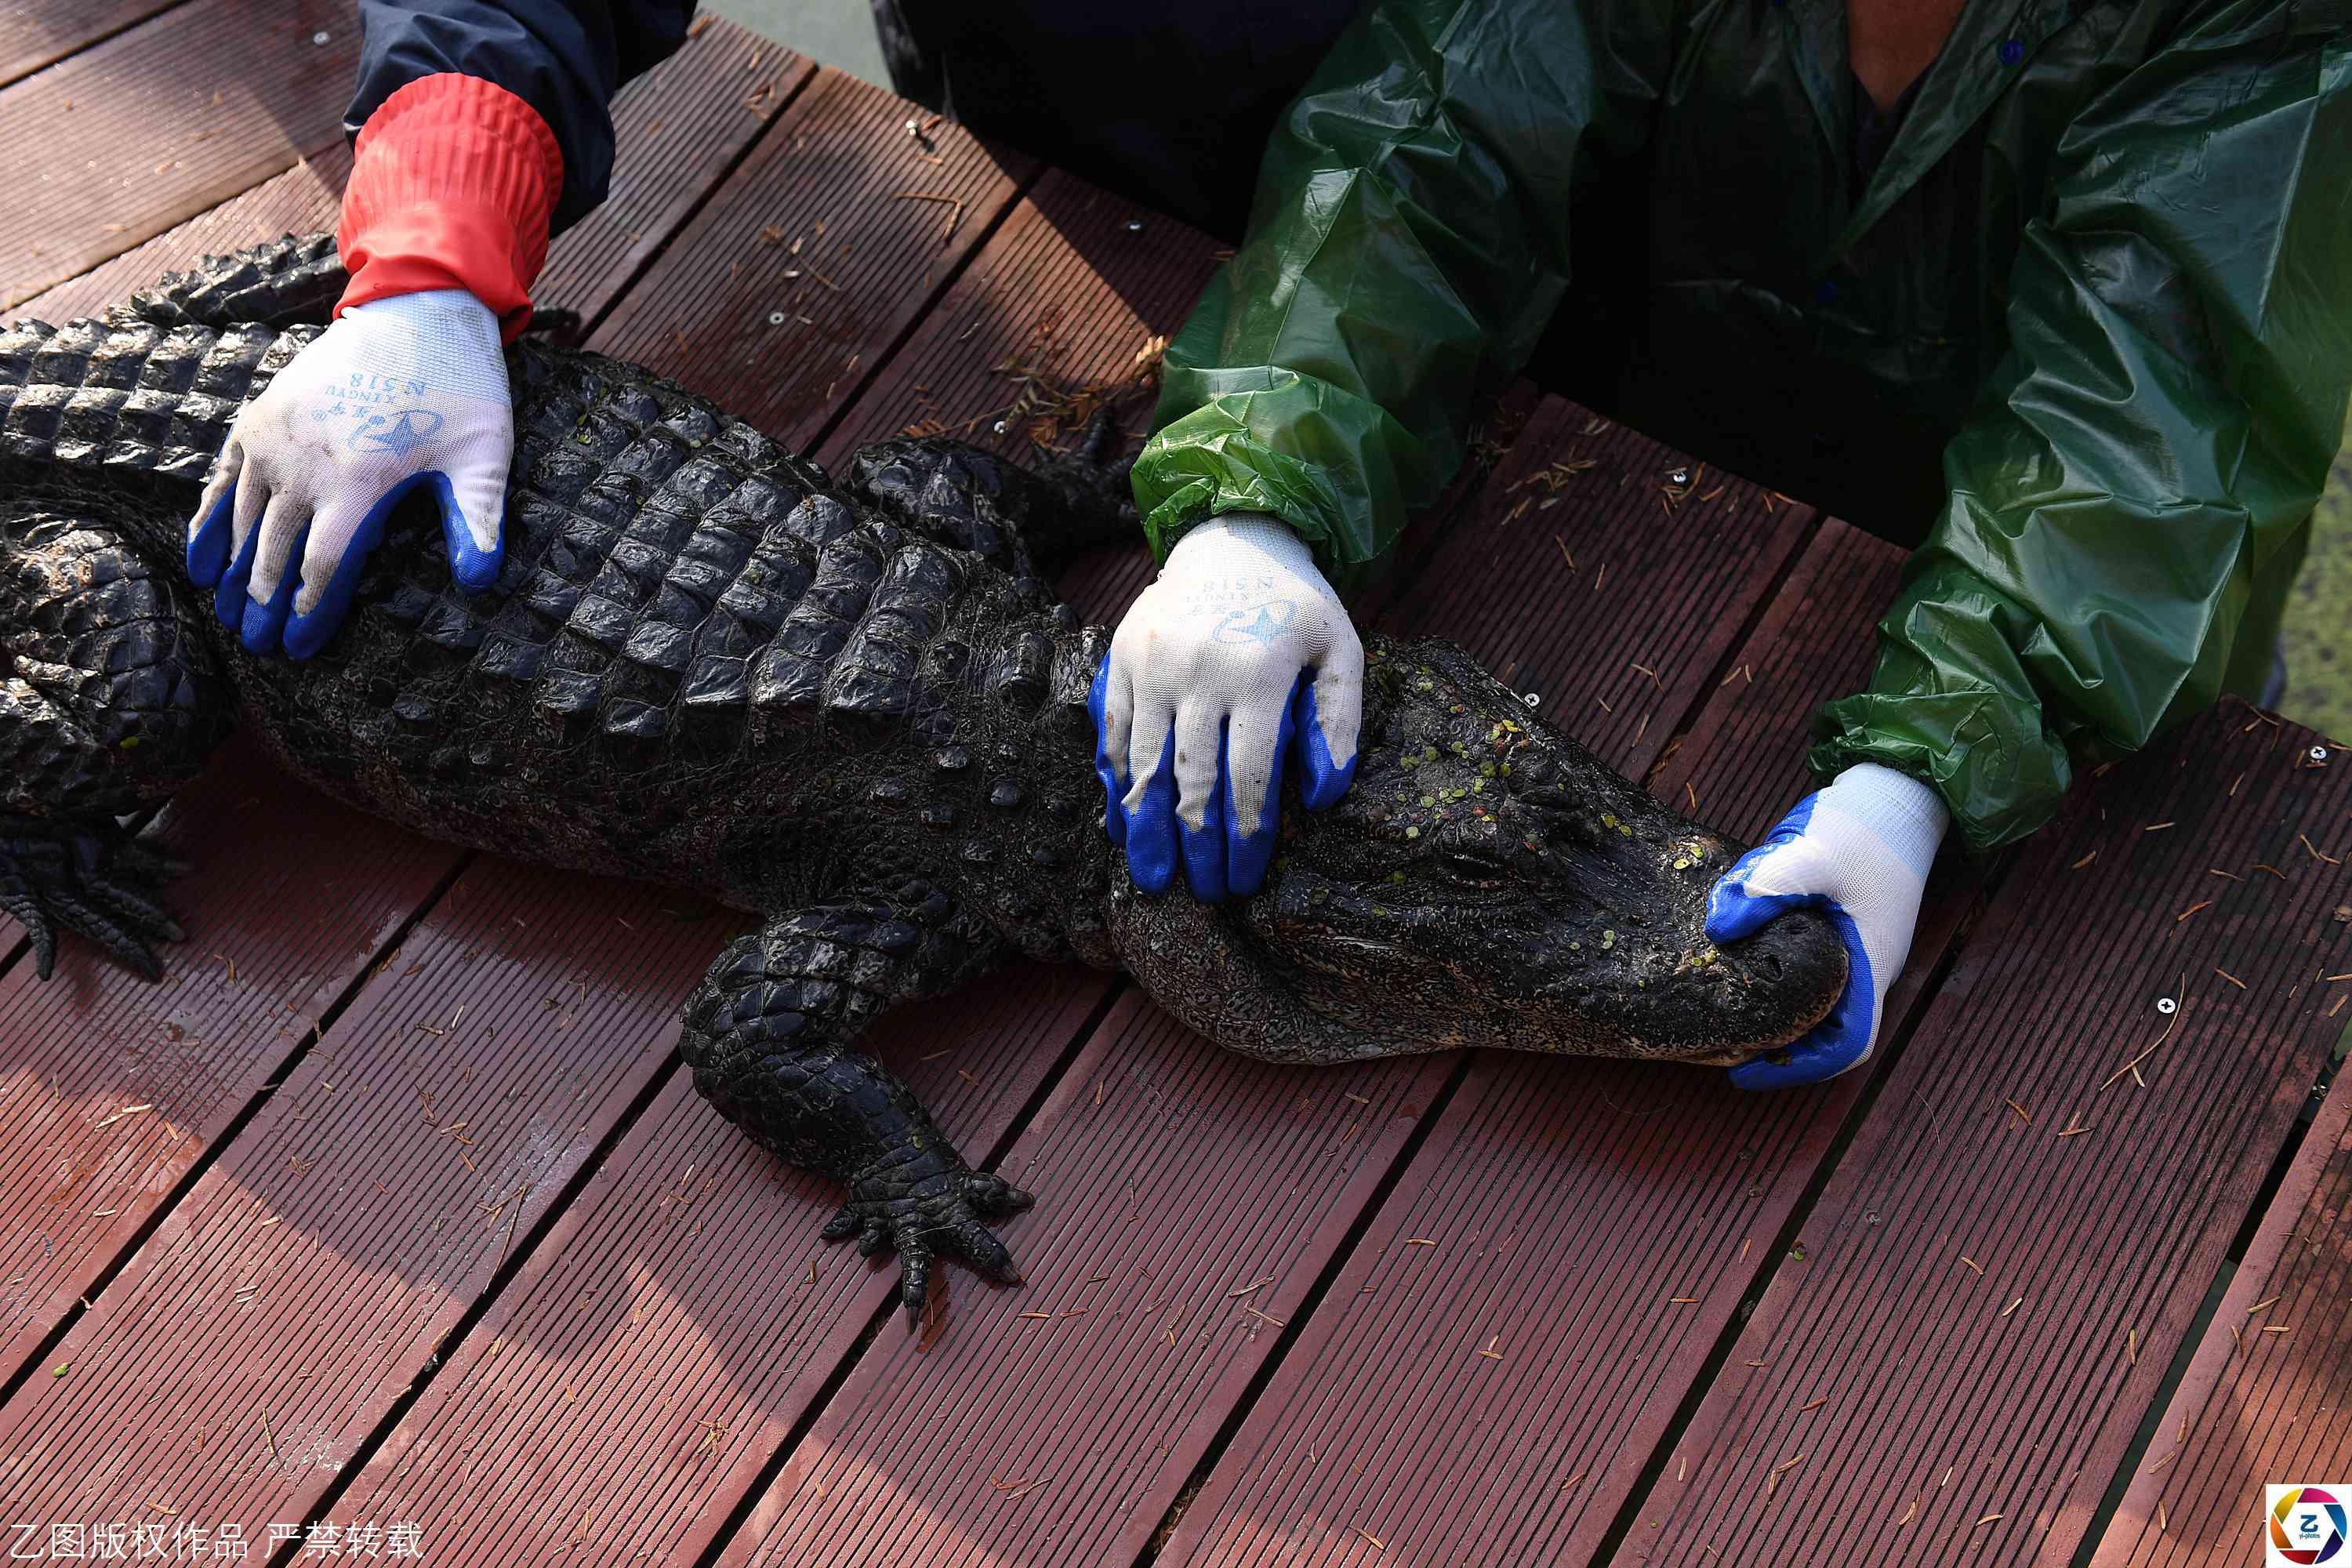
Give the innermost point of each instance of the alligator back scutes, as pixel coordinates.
(674, 583)
(293, 278)
(131, 395)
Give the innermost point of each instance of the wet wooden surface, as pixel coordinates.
(392, 1204)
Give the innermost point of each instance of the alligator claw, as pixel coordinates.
(56, 877)
(941, 1219)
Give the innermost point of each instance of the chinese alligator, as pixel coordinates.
(850, 708)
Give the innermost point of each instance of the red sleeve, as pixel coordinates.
(453, 183)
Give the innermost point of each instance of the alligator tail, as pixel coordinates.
(152, 386)
(130, 396)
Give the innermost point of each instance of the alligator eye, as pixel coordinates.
(1468, 865)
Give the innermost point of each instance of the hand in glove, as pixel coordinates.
(408, 391)
(1859, 849)
(1239, 660)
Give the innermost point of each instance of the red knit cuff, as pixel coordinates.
(453, 182)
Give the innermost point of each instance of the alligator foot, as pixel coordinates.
(1022, 520)
(58, 875)
(925, 1216)
(769, 1036)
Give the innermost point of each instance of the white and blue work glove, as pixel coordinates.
(1859, 851)
(1238, 661)
(405, 391)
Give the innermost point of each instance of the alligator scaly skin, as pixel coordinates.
(850, 708)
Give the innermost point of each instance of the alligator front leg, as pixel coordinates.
(1025, 520)
(770, 1036)
(107, 703)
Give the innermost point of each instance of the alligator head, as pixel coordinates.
(1486, 881)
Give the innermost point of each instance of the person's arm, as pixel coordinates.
(481, 130)
(1407, 244)
(2130, 498)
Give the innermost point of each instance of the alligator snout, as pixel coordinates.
(1489, 881)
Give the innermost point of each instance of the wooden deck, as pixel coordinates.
(391, 1206)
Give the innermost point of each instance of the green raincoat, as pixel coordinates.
(2102, 272)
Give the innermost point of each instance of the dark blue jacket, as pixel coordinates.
(564, 57)
(1067, 82)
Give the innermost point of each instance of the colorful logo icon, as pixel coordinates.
(1265, 622)
(2307, 1524)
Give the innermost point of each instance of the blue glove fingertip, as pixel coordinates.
(1097, 697)
(1761, 1075)
(228, 595)
(1321, 781)
(1204, 852)
(1733, 913)
(307, 634)
(1151, 826)
(1818, 1058)
(208, 546)
(475, 570)
(264, 621)
(1249, 847)
(1838, 1041)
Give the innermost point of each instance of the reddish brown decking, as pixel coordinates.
(391, 1204)
(2270, 1392)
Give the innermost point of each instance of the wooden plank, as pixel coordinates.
(806, 267)
(679, 130)
(288, 899)
(1058, 305)
(303, 199)
(1742, 764)
(313, 1271)
(1982, 1414)
(2267, 1397)
(1044, 327)
(1494, 1363)
(1186, 1201)
(36, 33)
(173, 116)
(1597, 1223)
(1571, 593)
(657, 1348)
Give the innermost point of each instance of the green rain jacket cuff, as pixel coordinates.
(1984, 752)
(1330, 465)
